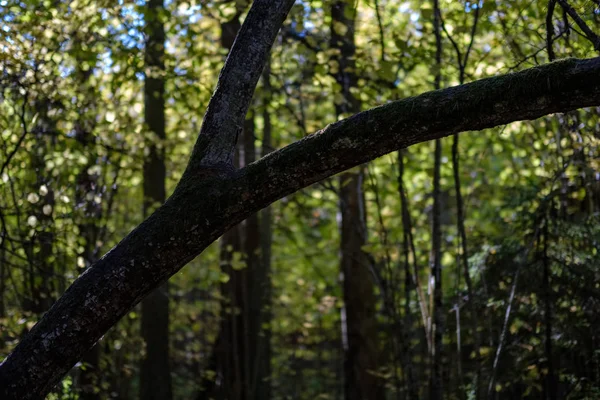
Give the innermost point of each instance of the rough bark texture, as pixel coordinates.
(204, 206)
(231, 347)
(240, 348)
(359, 322)
(225, 115)
(155, 374)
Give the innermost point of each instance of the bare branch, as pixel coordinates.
(21, 138)
(589, 34)
(550, 30)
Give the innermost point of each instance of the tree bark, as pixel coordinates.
(86, 189)
(210, 199)
(410, 282)
(230, 350)
(263, 361)
(232, 357)
(437, 310)
(359, 322)
(259, 354)
(551, 387)
(155, 373)
(242, 354)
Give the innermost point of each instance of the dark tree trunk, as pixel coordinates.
(259, 287)
(232, 356)
(89, 376)
(242, 354)
(551, 386)
(359, 324)
(3, 277)
(437, 323)
(231, 349)
(263, 367)
(410, 284)
(155, 373)
(86, 189)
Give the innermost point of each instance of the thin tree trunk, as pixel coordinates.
(359, 327)
(85, 192)
(231, 351)
(256, 278)
(437, 318)
(87, 211)
(263, 367)
(3, 277)
(551, 382)
(155, 373)
(2, 281)
(460, 223)
(437, 325)
(407, 228)
(409, 282)
(492, 383)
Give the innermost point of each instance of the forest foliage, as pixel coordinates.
(519, 241)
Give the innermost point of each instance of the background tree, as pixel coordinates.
(525, 197)
(155, 374)
(359, 323)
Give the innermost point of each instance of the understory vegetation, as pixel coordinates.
(463, 267)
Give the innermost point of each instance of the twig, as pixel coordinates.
(550, 30)
(589, 34)
(21, 139)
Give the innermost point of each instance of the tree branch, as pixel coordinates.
(200, 211)
(555, 87)
(589, 34)
(227, 108)
(550, 30)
